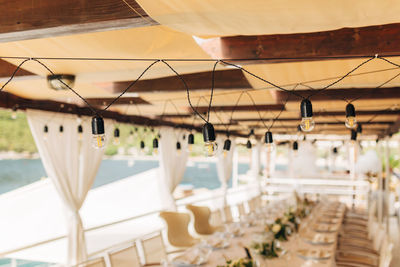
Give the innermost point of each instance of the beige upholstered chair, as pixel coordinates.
(242, 211)
(154, 249)
(98, 262)
(216, 218)
(228, 214)
(177, 232)
(126, 257)
(202, 220)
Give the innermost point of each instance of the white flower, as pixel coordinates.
(276, 228)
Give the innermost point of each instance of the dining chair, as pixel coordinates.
(202, 216)
(251, 204)
(227, 214)
(125, 257)
(216, 218)
(242, 211)
(154, 249)
(177, 229)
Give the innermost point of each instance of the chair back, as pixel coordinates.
(216, 218)
(228, 214)
(177, 228)
(126, 257)
(98, 262)
(252, 205)
(201, 219)
(242, 211)
(154, 249)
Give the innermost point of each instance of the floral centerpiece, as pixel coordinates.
(280, 229)
(268, 249)
(242, 262)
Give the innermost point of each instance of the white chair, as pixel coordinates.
(97, 262)
(216, 218)
(242, 211)
(227, 214)
(125, 257)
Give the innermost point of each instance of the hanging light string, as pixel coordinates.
(183, 81)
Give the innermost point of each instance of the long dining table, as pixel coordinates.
(323, 221)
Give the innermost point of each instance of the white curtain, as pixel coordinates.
(255, 166)
(224, 164)
(172, 162)
(72, 164)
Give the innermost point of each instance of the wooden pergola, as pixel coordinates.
(54, 30)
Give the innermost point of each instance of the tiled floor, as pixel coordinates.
(395, 236)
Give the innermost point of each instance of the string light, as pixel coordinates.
(116, 136)
(295, 147)
(210, 145)
(130, 138)
(142, 145)
(45, 132)
(155, 146)
(178, 147)
(248, 144)
(14, 113)
(61, 130)
(80, 132)
(227, 147)
(98, 134)
(307, 123)
(350, 121)
(359, 128)
(269, 142)
(190, 142)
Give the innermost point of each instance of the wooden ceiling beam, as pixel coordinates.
(7, 69)
(26, 19)
(121, 101)
(346, 42)
(340, 94)
(10, 101)
(272, 107)
(224, 79)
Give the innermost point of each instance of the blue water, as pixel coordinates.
(17, 173)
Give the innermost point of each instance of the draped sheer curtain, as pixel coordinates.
(172, 163)
(71, 163)
(224, 164)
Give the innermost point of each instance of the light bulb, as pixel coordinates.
(98, 141)
(227, 147)
(14, 115)
(155, 151)
(210, 148)
(45, 132)
(225, 153)
(351, 122)
(190, 148)
(130, 138)
(307, 124)
(80, 132)
(98, 134)
(116, 141)
(270, 148)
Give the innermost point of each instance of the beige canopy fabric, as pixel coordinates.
(238, 17)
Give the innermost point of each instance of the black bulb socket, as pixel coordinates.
(359, 128)
(97, 125)
(61, 129)
(335, 150)
(295, 146)
(306, 108)
(80, 129)
(208, 132)
(46, 129)
(227, 145)
(142, 144)
(191, 139)
(116, 132)
(248, 144)
(353, 135)
(268, 138)
(350, 110)
(155, 143)
(178, 146)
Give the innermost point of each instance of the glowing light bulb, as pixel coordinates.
(307, 124)
(155, 151)
(14, 115)
(116, 141)
(210, 148)
(350, 122)
(98, 134)
(45, 132)
(98, 141)
(225, 153)
(270, 147)
(269, 142)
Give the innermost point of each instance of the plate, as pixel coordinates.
(314, 254)
(319, 240)
(324, 228)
